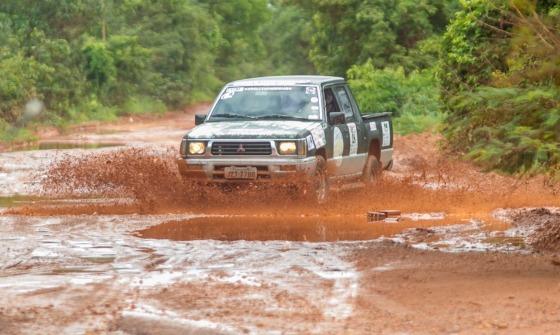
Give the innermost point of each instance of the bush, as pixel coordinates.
(413, 99)
(18, 84)
(90, 109)
(10, 134)
(143, 105)
(511, 129)
(412, 123)
(500, 85)
(376, 90)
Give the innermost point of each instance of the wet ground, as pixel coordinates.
(99, 235)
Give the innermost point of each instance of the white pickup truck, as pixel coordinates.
(301, 130)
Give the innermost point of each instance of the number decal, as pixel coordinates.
(338, 146)
(353, 139)
(386, 130)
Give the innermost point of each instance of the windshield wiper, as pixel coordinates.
(282, 116)
(232, 115)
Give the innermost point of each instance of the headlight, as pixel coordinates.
(197, 148)
(287, 148)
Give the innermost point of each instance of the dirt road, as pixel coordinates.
(101, 236)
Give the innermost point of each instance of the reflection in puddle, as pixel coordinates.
(290, 228)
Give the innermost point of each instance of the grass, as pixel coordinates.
(411, 123)
(88, 110)
(142, 105)
(12, 134)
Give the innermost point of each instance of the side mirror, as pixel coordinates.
(199, 119)
(336, 118)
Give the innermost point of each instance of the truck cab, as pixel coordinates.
(301, 130)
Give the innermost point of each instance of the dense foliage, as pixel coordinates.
(500, 82)
(386, 33)
(96, 59)
(490, 68)
(413, 99)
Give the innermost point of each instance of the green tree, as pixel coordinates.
(287, 39)
(348, 32)
(500, 84)
(241, 50)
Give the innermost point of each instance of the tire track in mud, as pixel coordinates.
(73, 254)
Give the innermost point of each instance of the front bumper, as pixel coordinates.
(270, 169)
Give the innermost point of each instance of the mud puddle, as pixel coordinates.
(314, 228)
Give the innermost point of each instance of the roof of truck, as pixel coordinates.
(285, 80)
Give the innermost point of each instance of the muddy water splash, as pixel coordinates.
(149, 179)
(146, 175)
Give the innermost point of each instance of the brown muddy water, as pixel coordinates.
(291, 228)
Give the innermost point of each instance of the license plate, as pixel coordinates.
(235, 172)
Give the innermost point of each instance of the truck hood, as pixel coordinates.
(260, 129)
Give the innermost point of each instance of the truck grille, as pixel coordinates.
(241, 148)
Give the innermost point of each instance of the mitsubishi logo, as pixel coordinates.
(241, 148)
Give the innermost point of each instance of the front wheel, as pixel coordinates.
(318, 190)
(372, 170)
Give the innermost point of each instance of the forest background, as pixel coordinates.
(484, 73)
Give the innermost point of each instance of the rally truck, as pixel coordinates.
(304, 131)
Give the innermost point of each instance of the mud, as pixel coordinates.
(315, 228)
(111, 240)
(542, 228)
(148, 175)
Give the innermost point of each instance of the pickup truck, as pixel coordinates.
(305, 131)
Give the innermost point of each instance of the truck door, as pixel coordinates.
(335, 134)
(354, 157)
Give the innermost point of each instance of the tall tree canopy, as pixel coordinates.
(348, 32)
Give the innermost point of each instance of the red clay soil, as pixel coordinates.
(440, 293)
(544, 226)
(401, 290)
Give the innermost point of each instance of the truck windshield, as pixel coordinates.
(275, 102)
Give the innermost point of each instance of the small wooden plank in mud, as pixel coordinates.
(376, 216)
(391, 213)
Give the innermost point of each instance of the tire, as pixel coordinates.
(372, 170)
(319, 185)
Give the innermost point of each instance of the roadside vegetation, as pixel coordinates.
(500, 75)
(98, 59)
(483, 72)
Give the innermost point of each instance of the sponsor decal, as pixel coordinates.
(386, 130)
(230, 92)
(373, 126)
(314, 100)
(353, 139)
(310, 142)
(338, 146)
(273, 88)
(311, 90)
(318, 136)
(267, 82)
